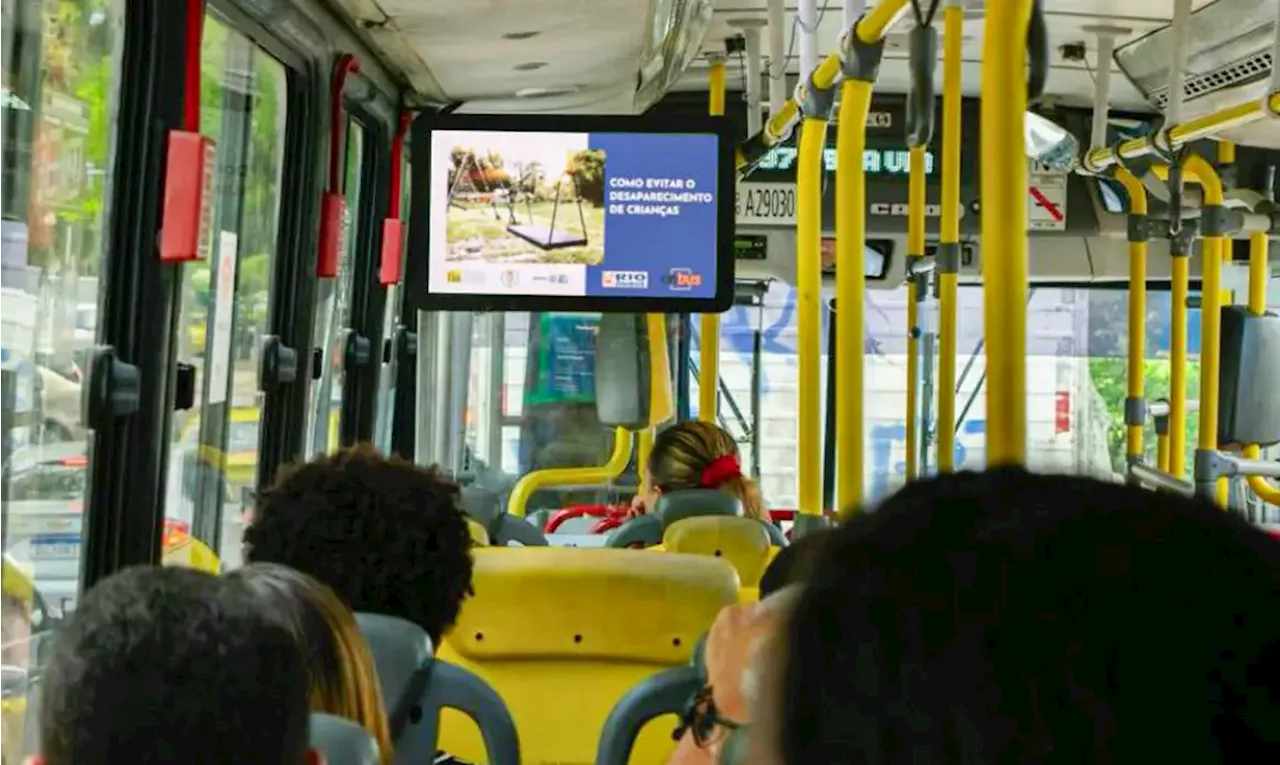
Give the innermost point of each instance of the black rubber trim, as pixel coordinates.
(1135, 411)
(860, 60)
(921, 99)
(947, 257)
(816, 103)
(1139, 228)
(1213, 221)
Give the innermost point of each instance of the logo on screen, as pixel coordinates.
(683, 279)
(508, 278)
(625, 280)
(454, 276)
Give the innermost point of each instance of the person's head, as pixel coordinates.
(384, 534)
(344, 680)
(793, 564)
(174, 667)
(698, 455)
(1008, 617)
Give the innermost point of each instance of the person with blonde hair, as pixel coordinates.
(698, 455)
(343, 677)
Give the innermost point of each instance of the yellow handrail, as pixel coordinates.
(1004, 228)
(1258, 257)
(949, 232)
(1180, 278)
(1187, 132)
(871, 28)
(813, 139)
(851, 283)
(578, 476)
(1137, 305)
(1210, 312)
(709, 330)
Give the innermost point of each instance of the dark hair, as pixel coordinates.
(384, 534)
(1007, 617)
(173, 666)
(793, 564)
(683, 451)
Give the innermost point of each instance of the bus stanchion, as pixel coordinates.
(949, 232)
(1004, 227)
(859, 65)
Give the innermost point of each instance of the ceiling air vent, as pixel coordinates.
(1228, 63)
(1246, 71)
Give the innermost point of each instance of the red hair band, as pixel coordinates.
(720, 470)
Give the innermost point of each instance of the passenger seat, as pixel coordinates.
(343, 742)
(416, 687)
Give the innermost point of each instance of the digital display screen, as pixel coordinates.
(608, 218)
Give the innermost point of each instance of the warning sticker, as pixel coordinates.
(1047, 198)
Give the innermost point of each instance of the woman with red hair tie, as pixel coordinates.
(698, 455)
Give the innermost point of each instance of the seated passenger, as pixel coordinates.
(697, 455)
(387, 536)
(1008, 617)
(384, 534)
(170, 666)
(344, 680)
(740, 635)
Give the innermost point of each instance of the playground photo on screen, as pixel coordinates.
(525, 198)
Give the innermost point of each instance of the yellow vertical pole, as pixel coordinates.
(1180, 278)
(915, 251)
(813, 139)
(851, 283)
(1137, 307)
(1004, 227)
(709, 332)
(949, 233)
(1212, 245)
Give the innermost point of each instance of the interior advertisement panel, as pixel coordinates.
(627, 215)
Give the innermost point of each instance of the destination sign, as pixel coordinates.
(874, 161)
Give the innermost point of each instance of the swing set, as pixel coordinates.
(543, 237)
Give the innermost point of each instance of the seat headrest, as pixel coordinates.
(617, 605)
(675, 506)
(399, 647)
(343, 742)
(743, 542)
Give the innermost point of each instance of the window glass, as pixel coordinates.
(213, 458)
(390, 320)
(60, 89)
(334, 308)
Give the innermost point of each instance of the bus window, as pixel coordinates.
(334, 307)
(214, 451)
(59, 99)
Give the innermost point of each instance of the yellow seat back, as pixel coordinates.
(562, 633)
(741, 541)
(479, 534)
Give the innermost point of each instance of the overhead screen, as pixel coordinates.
(616, 214)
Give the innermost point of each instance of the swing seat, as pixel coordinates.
(546, 238)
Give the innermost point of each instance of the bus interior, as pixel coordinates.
(965, 233)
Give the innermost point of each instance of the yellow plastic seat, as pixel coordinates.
(743, 542)
(479, 534)
(562, 633)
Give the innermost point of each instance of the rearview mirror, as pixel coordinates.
(1049, 144)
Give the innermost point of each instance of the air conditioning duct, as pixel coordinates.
(1229, 62)
(673, 38)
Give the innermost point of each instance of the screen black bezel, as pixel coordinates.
(424, 299)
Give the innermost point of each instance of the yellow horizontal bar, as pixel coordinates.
(871, 28)
(1192, 130)
(579, 476)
